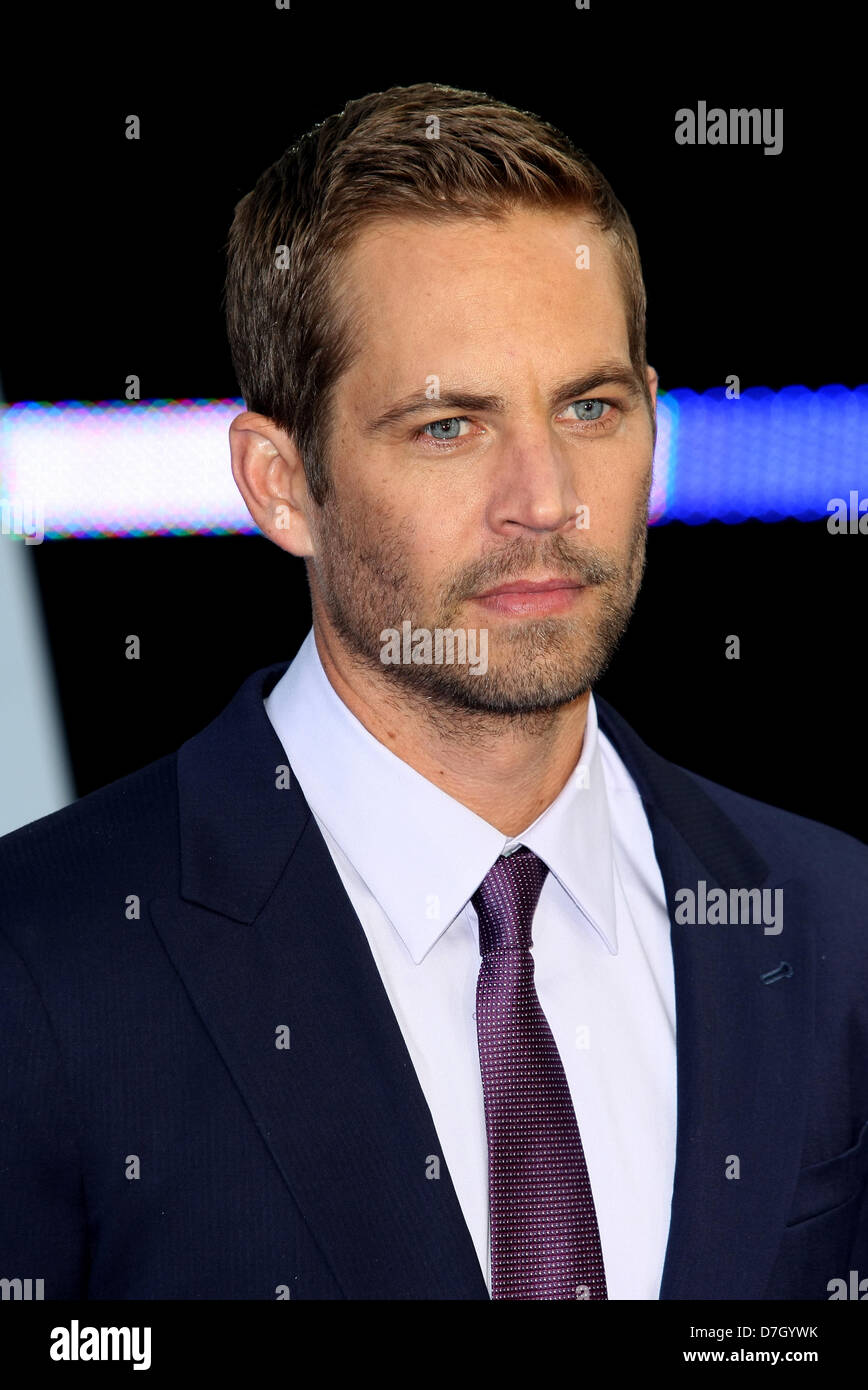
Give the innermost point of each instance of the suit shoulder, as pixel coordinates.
(778, 833)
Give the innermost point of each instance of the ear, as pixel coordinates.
(269, 474)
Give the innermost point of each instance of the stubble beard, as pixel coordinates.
(535, 665)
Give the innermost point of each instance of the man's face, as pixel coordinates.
(435, 507)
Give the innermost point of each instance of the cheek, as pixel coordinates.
(435, 540)
(434, 523)
(616, 492)
(607, 510)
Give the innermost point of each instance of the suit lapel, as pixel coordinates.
(266, 938)
(741, 1041)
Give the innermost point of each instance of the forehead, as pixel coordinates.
(464, 285)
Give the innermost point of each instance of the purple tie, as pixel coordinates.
(544, 1238)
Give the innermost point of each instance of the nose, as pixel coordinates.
(533, 486)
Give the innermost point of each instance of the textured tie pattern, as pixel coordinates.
(545, 1243)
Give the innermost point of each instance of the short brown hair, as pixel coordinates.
(291, 336)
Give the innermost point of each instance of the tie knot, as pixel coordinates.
(506, 900)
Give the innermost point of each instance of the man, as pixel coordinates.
(417, 974)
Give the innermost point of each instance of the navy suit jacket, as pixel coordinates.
(156, 1143)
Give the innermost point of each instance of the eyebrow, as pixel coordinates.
(613, 373)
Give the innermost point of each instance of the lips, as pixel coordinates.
(531, 586)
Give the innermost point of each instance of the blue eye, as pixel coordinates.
(445, 425)
(583, 415)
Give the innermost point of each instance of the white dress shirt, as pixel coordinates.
(410, 857)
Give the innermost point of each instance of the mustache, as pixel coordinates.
(589, 566)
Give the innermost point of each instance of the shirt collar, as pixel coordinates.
(421, 853)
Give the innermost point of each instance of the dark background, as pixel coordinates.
(755, 265)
